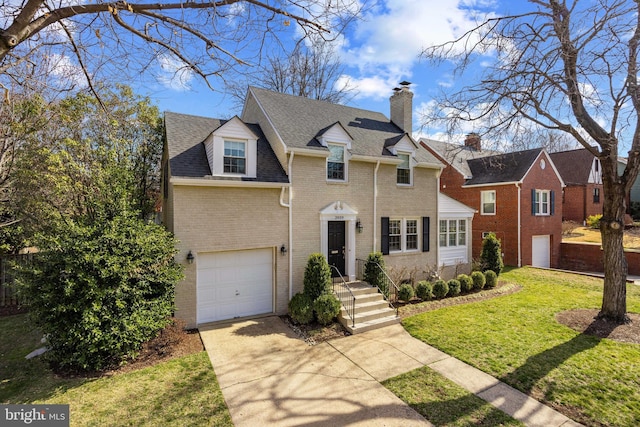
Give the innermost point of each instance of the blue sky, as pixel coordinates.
(378, 52)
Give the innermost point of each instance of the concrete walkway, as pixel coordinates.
(268, 376)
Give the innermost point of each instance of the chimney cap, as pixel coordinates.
(396, 89)
(405, 83)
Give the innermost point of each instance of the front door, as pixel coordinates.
(336, 247)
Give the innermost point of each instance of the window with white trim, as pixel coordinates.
(542, 202)
(404, 235)
(336, 170)
(403, 174)
(488, 202)
(235, 157)
(453, 232)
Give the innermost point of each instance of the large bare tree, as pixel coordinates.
(111, 39)
(568, 66)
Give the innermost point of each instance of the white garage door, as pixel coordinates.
(541, 251)
(234, 284)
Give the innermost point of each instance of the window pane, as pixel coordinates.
(404, 170)
(462, 239)
(335, 162)
(462, 225)
(337, 153)
(443, 226)
(394, 227)
(412, 234)
(394, 243)
(443, 239)
(488, 202)
(452, 239)
(335, 170)
(412, 242)
(234, 157)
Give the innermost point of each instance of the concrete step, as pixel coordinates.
(366, 316)
(362, 307)
(370, 325)
(364, 298)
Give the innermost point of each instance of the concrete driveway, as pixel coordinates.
(268, 376)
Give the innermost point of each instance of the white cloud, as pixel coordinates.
(174, 73)
(68, 73)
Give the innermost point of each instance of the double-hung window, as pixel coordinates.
(453, 232)
(488, 202)
(596, 195)
(403, 235)
(542, 202)
(335, 163)
(235, 157)
(404, 170)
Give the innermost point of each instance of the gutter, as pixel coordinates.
(290, 218)
(375, 206)
(519, 187)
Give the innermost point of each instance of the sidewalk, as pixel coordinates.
(268, 376)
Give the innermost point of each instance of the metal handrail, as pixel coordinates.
(389, 284)
(346, 297)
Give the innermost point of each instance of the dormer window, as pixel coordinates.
(235, 158)
(336, 170)
(404, 170)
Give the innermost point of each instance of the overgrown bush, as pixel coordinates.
(568, 227)
(491, 255)
(466, 284)
(99, 291)
(478, 280)
(327, 307)
(454, 288)
(405, 293)
(317, 276)
(424, 290)
(491, 279)
(374, 272)
(301, 308)
(593, 221)
(440, 288)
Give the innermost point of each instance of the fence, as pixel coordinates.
(8, 294)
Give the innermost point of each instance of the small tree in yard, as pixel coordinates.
(491, 255)
(317, 276)
(100, 290)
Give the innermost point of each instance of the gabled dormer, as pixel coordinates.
(338, 141)
(232, 150)
(595, 174)
(404, 149)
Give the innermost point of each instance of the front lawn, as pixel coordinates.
(181, 392)
(517, 339)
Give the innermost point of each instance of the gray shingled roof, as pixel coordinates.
(508, 167)
(458, 155)
(574, 166)
(299, 121)
(185, 136)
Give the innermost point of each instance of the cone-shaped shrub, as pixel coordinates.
(491, 255)
(317, 276)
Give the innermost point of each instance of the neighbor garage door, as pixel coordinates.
(541, 251)
(234, 284)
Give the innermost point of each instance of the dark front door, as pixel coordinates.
(336, 246)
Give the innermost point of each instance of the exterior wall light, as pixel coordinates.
(359, 226)
(190, 257)
(283, 250)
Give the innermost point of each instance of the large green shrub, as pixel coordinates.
(454, 288)
(301, 308)
(466, 284)
(424, 290)
(405, 293)
(374, 272)
(99, 291)
(491, 279)
(478, 280)
(491, 255)
(327, 307)
(317, 276)
(440, 288)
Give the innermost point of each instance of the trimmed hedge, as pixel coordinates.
(301, 308)
(440, 289)
(405, 293)
(466, 284)
(424, 290)
(454, 288)
(491, 279)
(478, 280)
(327, 307)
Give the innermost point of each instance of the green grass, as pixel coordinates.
(180, 392)
(517, 339)
(444, 403)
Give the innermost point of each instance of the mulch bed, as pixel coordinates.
(587, 322)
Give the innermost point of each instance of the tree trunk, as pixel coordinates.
(614, 295)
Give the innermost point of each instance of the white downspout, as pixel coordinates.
(288, 206)
(519, 225)
(375, 206)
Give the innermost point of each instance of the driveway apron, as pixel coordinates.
(268, 376)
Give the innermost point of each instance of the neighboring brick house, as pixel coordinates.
(514, 196)
(582, 175)
(250, 198)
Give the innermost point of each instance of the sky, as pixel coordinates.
(378, 51)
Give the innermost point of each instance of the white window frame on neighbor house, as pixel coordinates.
(404, 235)
(343, 161)
(452, 232)
(404, 166)
(485, 199)
(230, 153)
(543, 202)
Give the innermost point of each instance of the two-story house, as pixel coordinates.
(581, 172)
(514, 195)
(250, 198)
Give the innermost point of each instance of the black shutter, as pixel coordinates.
(384, 241)
(533, 201)
(553, 202)
(425, 234)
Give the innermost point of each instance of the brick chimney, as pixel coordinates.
(402, 107)
(473, 141)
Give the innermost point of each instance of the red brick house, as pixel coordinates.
(514, 195)
(581, 172)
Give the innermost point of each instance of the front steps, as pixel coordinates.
(371, 310)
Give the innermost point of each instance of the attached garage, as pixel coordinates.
(234, 284)
(541, 251)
